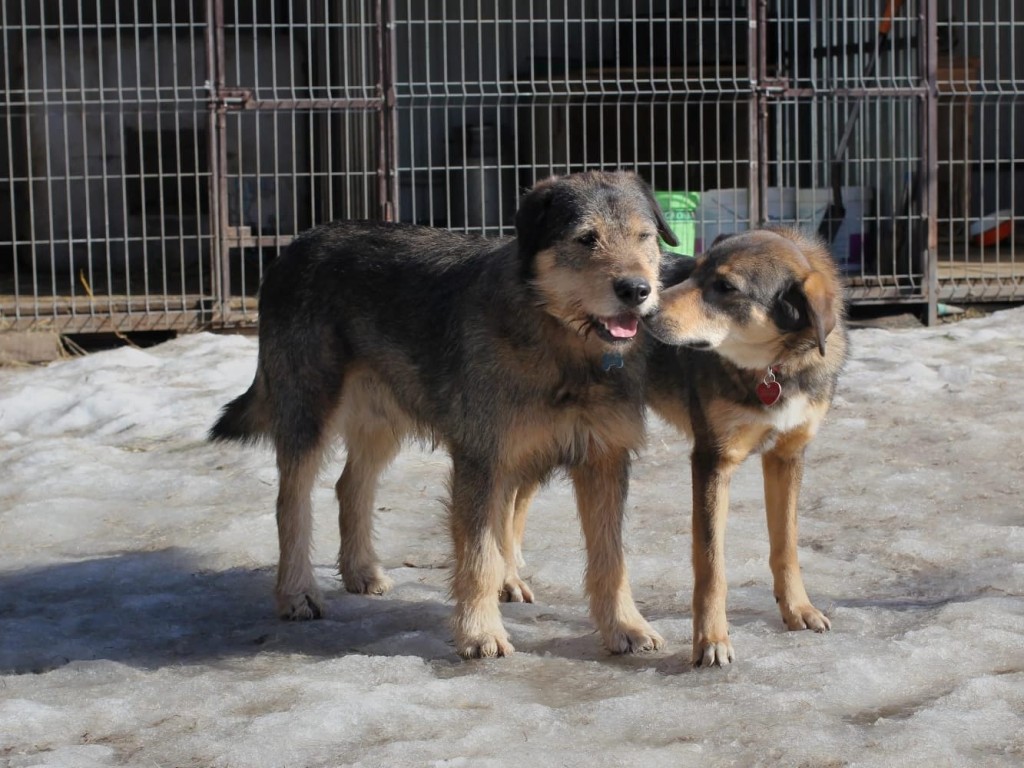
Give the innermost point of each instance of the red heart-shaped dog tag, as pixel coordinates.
(769, 392)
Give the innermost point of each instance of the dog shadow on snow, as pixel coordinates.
(157, 608)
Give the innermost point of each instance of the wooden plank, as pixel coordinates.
(23, 347)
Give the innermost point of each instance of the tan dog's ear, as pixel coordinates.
(821, 309)
(810, 303)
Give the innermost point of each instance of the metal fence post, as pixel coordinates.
(929, 53)
(757, 182)
(387, 149)
(214, 38)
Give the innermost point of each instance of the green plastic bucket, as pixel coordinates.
(680, 209)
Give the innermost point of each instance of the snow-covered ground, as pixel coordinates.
(136, 568)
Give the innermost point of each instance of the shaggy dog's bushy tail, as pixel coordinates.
(243, 420)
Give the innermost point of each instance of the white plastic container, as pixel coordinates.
(847, 246)
(811, 205)
(727, 211)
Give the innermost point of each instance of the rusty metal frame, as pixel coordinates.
(929, 202)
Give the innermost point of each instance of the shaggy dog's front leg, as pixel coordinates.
(479, 506)
(601, 485)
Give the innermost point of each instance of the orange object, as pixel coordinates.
(992, 229)
(885, 26)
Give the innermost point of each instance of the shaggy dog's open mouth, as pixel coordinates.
(618, 328)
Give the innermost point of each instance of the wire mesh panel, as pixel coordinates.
(155, 156)
(105, 163)
(493, 97)
(846, 137)
(874, 220)
(980, 169)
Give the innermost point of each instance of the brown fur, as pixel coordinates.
(494, 350)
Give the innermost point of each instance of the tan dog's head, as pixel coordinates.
(589, 244)
(755, 298)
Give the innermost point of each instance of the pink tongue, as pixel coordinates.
(621, 326)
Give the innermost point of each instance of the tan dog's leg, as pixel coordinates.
(515, 590)
(298, 596)
(783, 470)
(479, 509)
(601, 487)
(369, 452)
(711, 475)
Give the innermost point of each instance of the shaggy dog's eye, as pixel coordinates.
(721, 285)
(645, 236)
(589, 239)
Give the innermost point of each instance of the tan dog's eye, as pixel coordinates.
(588, 240)
(645, 236)
(721, 285)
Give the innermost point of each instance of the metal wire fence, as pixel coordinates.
(155, 156)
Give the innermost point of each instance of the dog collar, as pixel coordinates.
(769, 390)
(611, 360)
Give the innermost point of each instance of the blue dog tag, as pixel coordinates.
(611, 360)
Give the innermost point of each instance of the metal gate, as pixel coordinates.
(307, 139)
(154, 157)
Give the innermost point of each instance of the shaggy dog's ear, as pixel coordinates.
(532, 226)
(659, 216)
(721, 237)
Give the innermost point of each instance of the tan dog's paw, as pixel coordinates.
(303, 606)
(367, 581)
(515, 590)
(804, 616)
(710, 653)
(634, 638)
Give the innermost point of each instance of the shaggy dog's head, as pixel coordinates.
(589, 244)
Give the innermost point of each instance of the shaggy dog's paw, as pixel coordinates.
(367, 581)
(479, 633)
(484, 647)
(300, 607)
(515, 590)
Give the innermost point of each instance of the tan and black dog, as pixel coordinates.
(753, 341)
(517, 355)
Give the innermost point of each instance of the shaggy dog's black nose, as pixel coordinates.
(632, 291)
